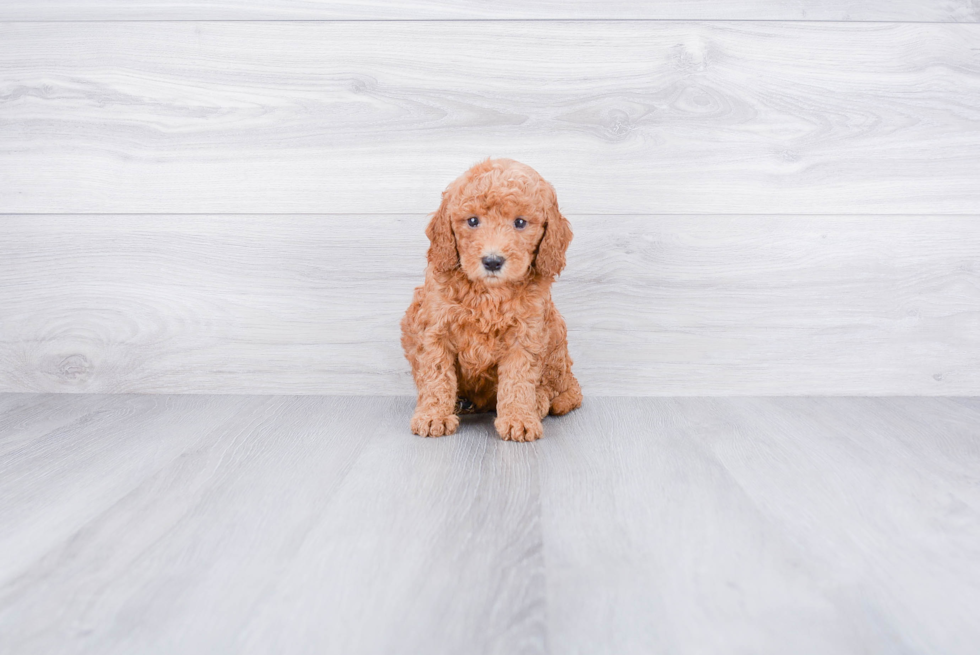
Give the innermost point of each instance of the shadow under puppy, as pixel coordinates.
(483, 326)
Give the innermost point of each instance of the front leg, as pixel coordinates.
(518, 418)
(435, 377)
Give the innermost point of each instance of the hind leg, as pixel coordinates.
(562, 389)
(569, 399)
(559, 384)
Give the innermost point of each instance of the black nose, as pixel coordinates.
(493, 263)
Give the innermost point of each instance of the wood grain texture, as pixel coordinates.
(257, 525)
(624, 117)
(656, 305)
(833, 10)
(204, 524)
(803, 525)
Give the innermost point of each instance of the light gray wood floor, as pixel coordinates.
(212, 524)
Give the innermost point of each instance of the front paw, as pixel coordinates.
(519, 428)
(429, 425)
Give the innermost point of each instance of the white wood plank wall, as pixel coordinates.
(196, 201)
(623, 117)
(835, 10)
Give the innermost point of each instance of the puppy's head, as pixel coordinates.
(499, 223)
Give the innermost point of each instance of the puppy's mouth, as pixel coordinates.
(504, 276)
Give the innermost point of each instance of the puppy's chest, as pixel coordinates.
(484, 333)
(479, 349)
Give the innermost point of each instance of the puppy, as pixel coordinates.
(483, 327)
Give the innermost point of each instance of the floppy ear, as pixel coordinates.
(550, 259)
(442, 247)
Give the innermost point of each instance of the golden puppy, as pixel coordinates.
(482, 327)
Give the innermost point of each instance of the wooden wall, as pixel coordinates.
(768, 198)
(823, 10)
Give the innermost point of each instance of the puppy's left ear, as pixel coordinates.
(550, 259)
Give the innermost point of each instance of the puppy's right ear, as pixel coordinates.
(442, 255)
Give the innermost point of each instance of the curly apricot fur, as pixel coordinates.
(493, 337)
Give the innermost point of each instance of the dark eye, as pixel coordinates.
(472, 221)
(520, 223)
